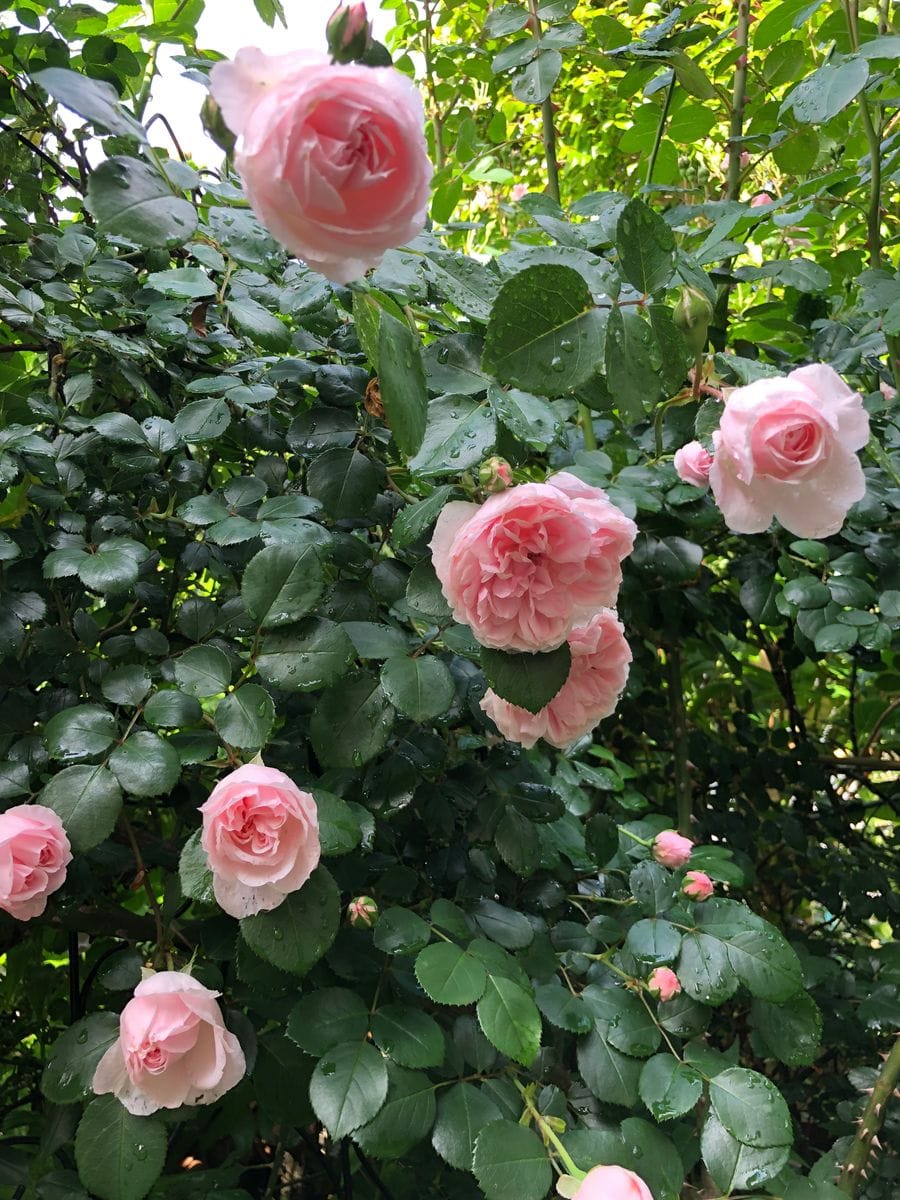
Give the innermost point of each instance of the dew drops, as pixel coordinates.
(82, 1036)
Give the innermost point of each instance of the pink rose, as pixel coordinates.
(786, 447)
(34, 854)
(692, 463)
(664, 983)
(172, 1049)
(697, 885)
(261, 837)
(518, 191)
(532, 562)
(333, 157)
(760, 199)
(671, 849)
(612, 1183)
(599, 670)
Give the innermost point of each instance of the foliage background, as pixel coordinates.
(212, 544)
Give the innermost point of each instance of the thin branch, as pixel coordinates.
(548, 128)
(42, 154)
(170, 131)
(372, 1175)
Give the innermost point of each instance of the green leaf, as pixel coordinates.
(530, 418)
(653, 942)
(562, 1009)
(407, 1035)
(601, 838)
(406, 1118)
(529, 681)
(182, 283)
(832, 638)
(510, 1163)
(80, 732)
(510, 1019)
(295, 935)
(281, 1077)
(652, 886)
(203, 671)
(463, 1111)
(339, 830)
(668, 1087)
(202, 421)
(623, 1019)
(421, 688)
(146, 764)
(258, 324)
(400, 931)
(345, 481)
(646, 248)
(460, 431)
(518, 842)
(126, 685)
(790, 1030)
(352, 722)
(414, 521)
(508, 18)
(172, 709)
(69, 1073)
(628, 362)
(133, 202)
(113, 567)
(505, 926)
(765, 963)
(806, 592)
(119, 1156)
(269, 10)
(735, 1166)
(193, 871)
(450, 975)
(751, 1108)
(401, 376)
(825, 93)
(88, 801)
(704, 969)
(534, 82)
(306, 657)
(611, 1076)
(424, 594)
(463, 280)
(453, 364)
(326, 1018)
(245, 717)
(94, 99)
(545, 335)
(282, 583)
(348, 1087)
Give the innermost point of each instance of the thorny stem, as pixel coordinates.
(870, 1123)
(586, 421)
(736, 129)
(548, 128)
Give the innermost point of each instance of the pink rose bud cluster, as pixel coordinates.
(34, 855)
(172, 1049)
(332, 157)
(664, 983)
(692, 462)
(261, 838)
(362, 913)
(672, 850)
(697, 885)
(348, 33)
(612, 1183)
(535, 566)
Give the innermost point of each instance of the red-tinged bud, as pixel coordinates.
(362, 912)
(495, 474)
(348, 33)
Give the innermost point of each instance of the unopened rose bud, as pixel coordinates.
(495, 474)
(663, 983)
(362, 912)
(348, 33)
(697, 885)
(672, 850)
(692, 315)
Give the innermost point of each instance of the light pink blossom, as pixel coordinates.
(697, 885)
(664, 983)
(671, 849)
(532, 562)
(692, 462)
(172, 1049)
(261, 838)
(612, 1183)
(786, 447)
(599, 671)
(34, 855)
(333, 157)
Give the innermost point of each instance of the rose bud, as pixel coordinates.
(671, 849)
(697, 885)
(692, 315)
(612, 1183)
(495, 474)
(348, 33)
(362, 913)
(692, 462)
(663, 983)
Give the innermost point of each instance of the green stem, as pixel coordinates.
(870, 1123)
(660, 130)
(548, 128)
(851, 12)
(634, 837)
(585, 420)
(738, 99)
(679, 740)
(548, 1133)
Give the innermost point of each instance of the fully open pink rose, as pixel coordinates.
(261, 837)
(697, 885)
(599, 670)
(34, 854)
(612, 1183)
(664, 983)
(333, 157)
(692, 462)
(671, 849)
(172, 1049)
(530, 563)
(786, 447)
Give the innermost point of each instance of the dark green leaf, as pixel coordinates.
(529, 681)
(133, 202)
(296, 934)
(88, 801)
(401, 376)
(119, 1156)
(348, 1087)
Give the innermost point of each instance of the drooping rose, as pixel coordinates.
(599, 671)
(333, 157)
(786, 447)
(529, 564)
(671, 849)
(172, 1049)
(612, 1183)
(692, 462)
(34, 854)
(261, 837)
(697, 885)
(664, 983)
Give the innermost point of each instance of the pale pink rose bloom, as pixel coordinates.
(518, 191)
(333, 157)
(172, 1049)
(671, 849)
(697, 885)
(692, 462)
(599, 671)
(886, 390)
(664, 983)
(532, 562)
(261, 837)
(34, 854)
(612, 1183)
(760, 199)
(786, 447)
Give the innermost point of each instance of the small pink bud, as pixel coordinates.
(697, 885)
(671, 849)
(663, 983)
(692, 462)
(348, 33)
(518, 191)
(760, 199)
(362, 912)
(495, 474)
